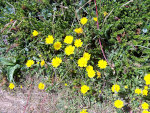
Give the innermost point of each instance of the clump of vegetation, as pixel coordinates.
(101, 51)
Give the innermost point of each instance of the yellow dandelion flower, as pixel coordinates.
(118, 104)
(145, 105)
(88, 68)
(41, 86)
(138, 91)
(57, 45)
(82, 62)
(35, 33)
(115, 88)
(49, 39)
(105, 13)
(145, 111)
(145, 92)
(84, 111)
(78, 30)
(102, 64)
(95, 19)
(29, 63)
(65, 84)
(126, 87)
(83, 20)
(68, 39)
(91, 73)
(84, 89)
(147, 79)
(86, 55)
(56, 62)
(98, 74)
(11, 86)
(42, 63)
(78, 43)
(69, 50)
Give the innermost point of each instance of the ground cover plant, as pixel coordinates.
(100, 49)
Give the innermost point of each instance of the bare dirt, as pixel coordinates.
(29, 99)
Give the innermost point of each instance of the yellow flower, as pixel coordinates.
(95, 19)
(91, 73)
(49, 39)
(68, 39)
(145, 105)
(86, 55)
(118, 103)
(138, 91)
(82, 62)
(84, 111)
(126, 87)
(88, 68)
(83, 20)
(21, 86)
(145, 111)
(42, 63)
(65, 84)
(145, 92)
(102, 64)
(69, 50)
(11, 86)
(78, 30)
(84, 89)
(38, 62)
(41, 86)
(56, 62)
(98, 74)
(78, 43)
(35, 33)
(11, 20)
(40, 55)
(146, 87)
(29, 63)
(115, 88)
(105, 13)
(147, 79)
(57, 45)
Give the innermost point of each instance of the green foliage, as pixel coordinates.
(124, 33)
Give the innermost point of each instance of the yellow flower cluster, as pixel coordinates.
(68, 39)
(78, 43)
(57, 45)
(35, 33)
(90, 71)
(56, 62)
(11, 86)
(115, 88)
(49, 39)
(41, 86)
(138, 91)
(78, 30)
(69, 50)
(147, 79)
(145, 106)
(84, 89)
(82, 62)
(83, 20)
(84, 111)
(42, 63)
(95, 19)
(29, 63)
(102, 64)
(118, 104)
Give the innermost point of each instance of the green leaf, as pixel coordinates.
(4, 61)
(10, 72)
